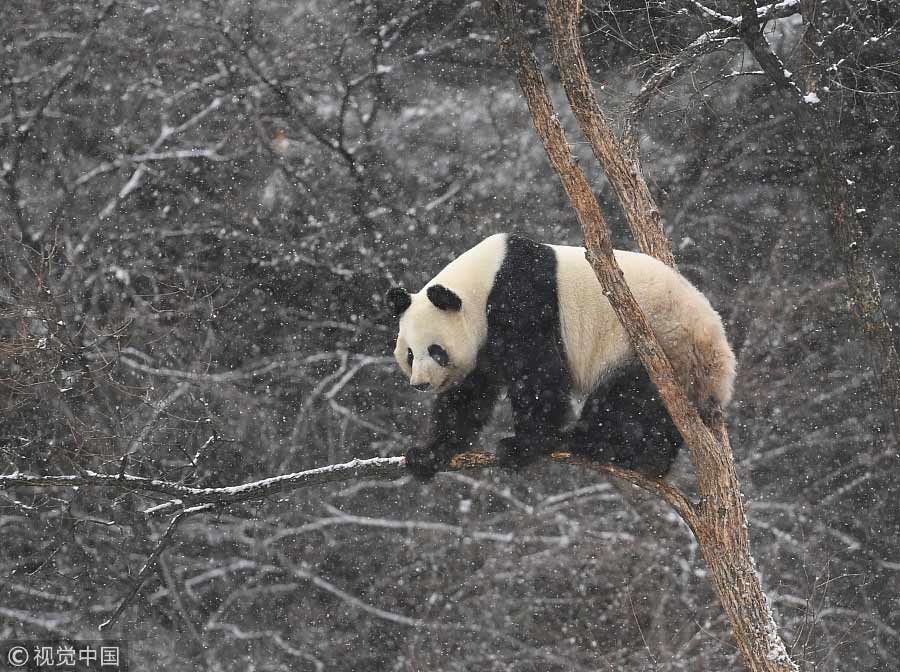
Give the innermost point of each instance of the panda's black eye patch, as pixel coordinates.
(409, 356)
(438, 354)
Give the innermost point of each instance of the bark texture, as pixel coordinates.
(718, 520)
(621, 166)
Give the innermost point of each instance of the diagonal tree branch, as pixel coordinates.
(622, 168)
(24, 130)
(751, 29)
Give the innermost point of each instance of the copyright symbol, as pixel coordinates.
(17, 656)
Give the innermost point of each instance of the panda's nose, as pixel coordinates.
(422, 387)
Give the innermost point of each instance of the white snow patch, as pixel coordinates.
(811, 98)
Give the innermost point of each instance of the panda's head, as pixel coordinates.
(436, 344)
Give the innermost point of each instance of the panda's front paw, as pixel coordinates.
(514, 454)
(424, 462)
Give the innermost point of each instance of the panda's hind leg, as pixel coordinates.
(624, 422)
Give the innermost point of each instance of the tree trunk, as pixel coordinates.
(718, 520)
(847, 236)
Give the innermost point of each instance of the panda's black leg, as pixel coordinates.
(457, 417)
(538, 415)
(624, 422)
(525, 348)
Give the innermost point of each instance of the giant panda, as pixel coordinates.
(532, 318)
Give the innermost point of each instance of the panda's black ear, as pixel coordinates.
(398, 300)
(444, 298)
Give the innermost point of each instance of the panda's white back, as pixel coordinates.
(688, 328)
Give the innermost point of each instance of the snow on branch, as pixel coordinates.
(728, 32)
(184, 496)
(765, 13)
(749, 26)
(188, 501)
(710, 13)
(751, 29)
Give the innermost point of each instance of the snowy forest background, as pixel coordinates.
(203, 203)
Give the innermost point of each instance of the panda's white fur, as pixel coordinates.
(463, 333)
(688, 328)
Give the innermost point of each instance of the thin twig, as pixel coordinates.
(150, 564)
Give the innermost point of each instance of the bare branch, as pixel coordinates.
(303, 572)
(707, 43)
(378, 467)
(386, 468)
(751, 28)
(9, 173)
(67, 71)
(150, 564)
(621, 167)
(152, 154)
(728, 33)
(303, 116)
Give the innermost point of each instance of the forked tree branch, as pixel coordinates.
(727, 32)
(620, 163)
(151, 562)
(720, 524)
(751, 28)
